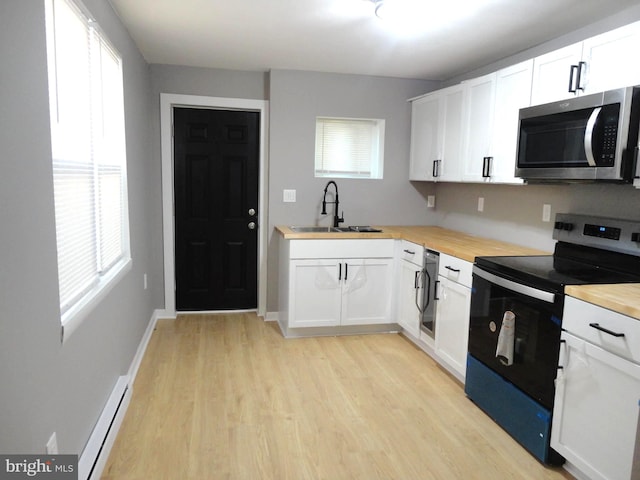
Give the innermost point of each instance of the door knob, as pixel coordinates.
(252, 225)
(252, 212)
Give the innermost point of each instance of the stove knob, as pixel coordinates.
(567, 226)
(635, 237)
(558, 225)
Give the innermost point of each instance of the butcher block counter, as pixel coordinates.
(622, 298)
(451, 242)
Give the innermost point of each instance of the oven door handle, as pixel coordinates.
(547, 297)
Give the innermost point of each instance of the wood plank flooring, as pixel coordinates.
(227, 397)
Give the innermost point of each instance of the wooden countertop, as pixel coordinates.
(622, 298)
(451, 242)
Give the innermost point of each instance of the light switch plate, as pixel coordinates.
(289, 196)
(481, 204)
(431, 201)
(546, 212)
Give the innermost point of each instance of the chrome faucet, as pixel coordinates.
(336, 219)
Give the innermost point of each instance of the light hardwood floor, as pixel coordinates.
(227, 397)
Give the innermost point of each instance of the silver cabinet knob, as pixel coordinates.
(252, 225)
(252, 211)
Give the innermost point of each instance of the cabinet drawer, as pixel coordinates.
(411, 252)
(588, 321)
(347, 248)
(455, 269)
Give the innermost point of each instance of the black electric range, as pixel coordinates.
(515, 322)
(590, 250)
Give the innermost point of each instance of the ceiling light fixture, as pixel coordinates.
(401, 11)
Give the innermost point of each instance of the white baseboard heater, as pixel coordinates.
(95, 454)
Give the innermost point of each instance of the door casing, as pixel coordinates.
(167, 102)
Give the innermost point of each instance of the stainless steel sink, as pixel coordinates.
(316, 229)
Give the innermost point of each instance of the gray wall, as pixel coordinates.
(297, 98)
(514, 213)
(47, 386)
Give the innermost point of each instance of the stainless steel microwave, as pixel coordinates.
(588, 138)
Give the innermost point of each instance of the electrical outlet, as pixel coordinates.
(144, 281)
(52, 445)
(289, 196)
(481, 204)
(546, 212)
(431, 201)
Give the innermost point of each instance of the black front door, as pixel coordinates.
(216, 156)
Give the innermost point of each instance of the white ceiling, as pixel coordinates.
(344, 36)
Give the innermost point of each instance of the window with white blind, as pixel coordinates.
(349, 147)
(89, 159)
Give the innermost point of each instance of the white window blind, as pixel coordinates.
(349, 147)
(88, 154)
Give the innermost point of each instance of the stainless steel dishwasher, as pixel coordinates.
(427, 303)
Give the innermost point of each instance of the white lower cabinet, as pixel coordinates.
(452, 317)
(331, 292)
(595, 416)
(409, 287)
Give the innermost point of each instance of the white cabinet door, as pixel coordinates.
(315, 293)
(449, 167)
(595, 415)
(427, 135)
(479, 106)
(513, 92)
(610, 59)
(552, 72)
(452, 325)
(408, 314)
(366, 291)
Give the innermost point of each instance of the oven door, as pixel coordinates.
(525, 349)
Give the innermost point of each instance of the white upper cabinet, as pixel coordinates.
(612, 59)
(513, 92)
(552, 73)
(436, 135)
(480, 94)
(427, 135)
(492, 107)
(449, 168)
(603, 62)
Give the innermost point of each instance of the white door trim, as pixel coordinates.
(167, 102)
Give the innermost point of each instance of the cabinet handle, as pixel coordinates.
(435, 173)
(415, 280)
(339, 271)
(605, 330)
(409, 252)
(346, 271)
(572, 72)
(486, 167)
(579, 77)
(456, 270)
(435, 290)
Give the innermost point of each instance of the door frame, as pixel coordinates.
(167, 103)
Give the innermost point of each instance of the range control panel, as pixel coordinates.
(600, 232)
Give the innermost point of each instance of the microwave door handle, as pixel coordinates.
(588, 136)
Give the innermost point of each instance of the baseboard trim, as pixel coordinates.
(271, 317)
(144, 342)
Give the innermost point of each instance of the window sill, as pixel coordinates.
(74, 317)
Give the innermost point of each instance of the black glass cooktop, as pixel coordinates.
(570, 265)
